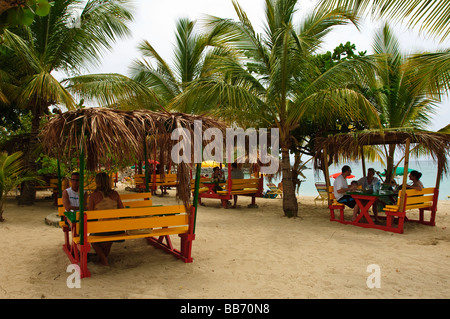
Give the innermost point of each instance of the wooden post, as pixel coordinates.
(327, 173)
(405, 173)
(59, 179)
(439, 173)
(81, 196)
(196, 191)
(146, 179)
(363, 161)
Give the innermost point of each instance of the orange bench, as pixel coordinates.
(139, 219)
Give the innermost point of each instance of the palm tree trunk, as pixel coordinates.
(28, 190)
(1, 209)
(390, 164)
(290, 205)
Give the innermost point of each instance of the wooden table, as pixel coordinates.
(365, 201)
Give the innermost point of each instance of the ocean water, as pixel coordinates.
(428, 168)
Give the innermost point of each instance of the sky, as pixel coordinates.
(155, 20)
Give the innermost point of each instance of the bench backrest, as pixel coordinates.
(167, 178)
(100, 221)
(414, 196)
(240, 184)
(331, 193)
(129, 201)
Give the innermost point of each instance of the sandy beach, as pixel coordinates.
(238, 253)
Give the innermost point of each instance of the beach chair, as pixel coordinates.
(274, 191)
(323, 194)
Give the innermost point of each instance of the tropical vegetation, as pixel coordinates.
(273, 79)
(12, 174)
(72, 36)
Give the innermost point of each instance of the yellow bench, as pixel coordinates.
(246, 187)
(426, 199)
(155, 181)
(242, 187)
(335, 205)
(137, 220)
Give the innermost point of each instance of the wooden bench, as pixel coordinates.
(155, 181)
(423, 200)
(334, 204)
(137, 220)
(244, 187)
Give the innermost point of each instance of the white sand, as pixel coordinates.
(238, 253)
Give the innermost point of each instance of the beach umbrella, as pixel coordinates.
(210, 164)
(398, 172)
(335, 175)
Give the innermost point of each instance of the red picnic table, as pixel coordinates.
(367, 200)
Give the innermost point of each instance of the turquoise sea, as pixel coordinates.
(428, 168)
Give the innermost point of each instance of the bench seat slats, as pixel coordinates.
(136, 223)
(131, 212)
(125, 236)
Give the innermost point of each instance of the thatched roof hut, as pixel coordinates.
(349, 146)
(104, 133)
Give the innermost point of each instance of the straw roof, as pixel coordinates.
(348, 145)
(108, 133)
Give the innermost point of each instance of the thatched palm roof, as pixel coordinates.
(107, 133)
(348, 145)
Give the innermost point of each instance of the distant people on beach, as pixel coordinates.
(236, 173)
(216, 177)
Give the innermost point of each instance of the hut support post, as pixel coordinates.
(405, 172)
(327, 174)
(59, 179)
(146, 165)
(363, 161)
(196, 191)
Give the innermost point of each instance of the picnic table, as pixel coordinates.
(366, 200)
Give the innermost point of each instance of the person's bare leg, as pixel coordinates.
(355, 212)
(103, 259)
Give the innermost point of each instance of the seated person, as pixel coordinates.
(104, 197)
(368, 181)
(71, 196)
(236, 173)
(414, 177)
(216, 177)
(340, 187)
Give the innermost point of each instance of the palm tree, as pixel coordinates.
(72, 35)
(154, 82)
(12, 174)
(272, 81)
(401, 91)
(431, 15)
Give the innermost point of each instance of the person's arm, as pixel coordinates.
(415, 186)
(66, 202)
(119, 201)
(91, 201)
